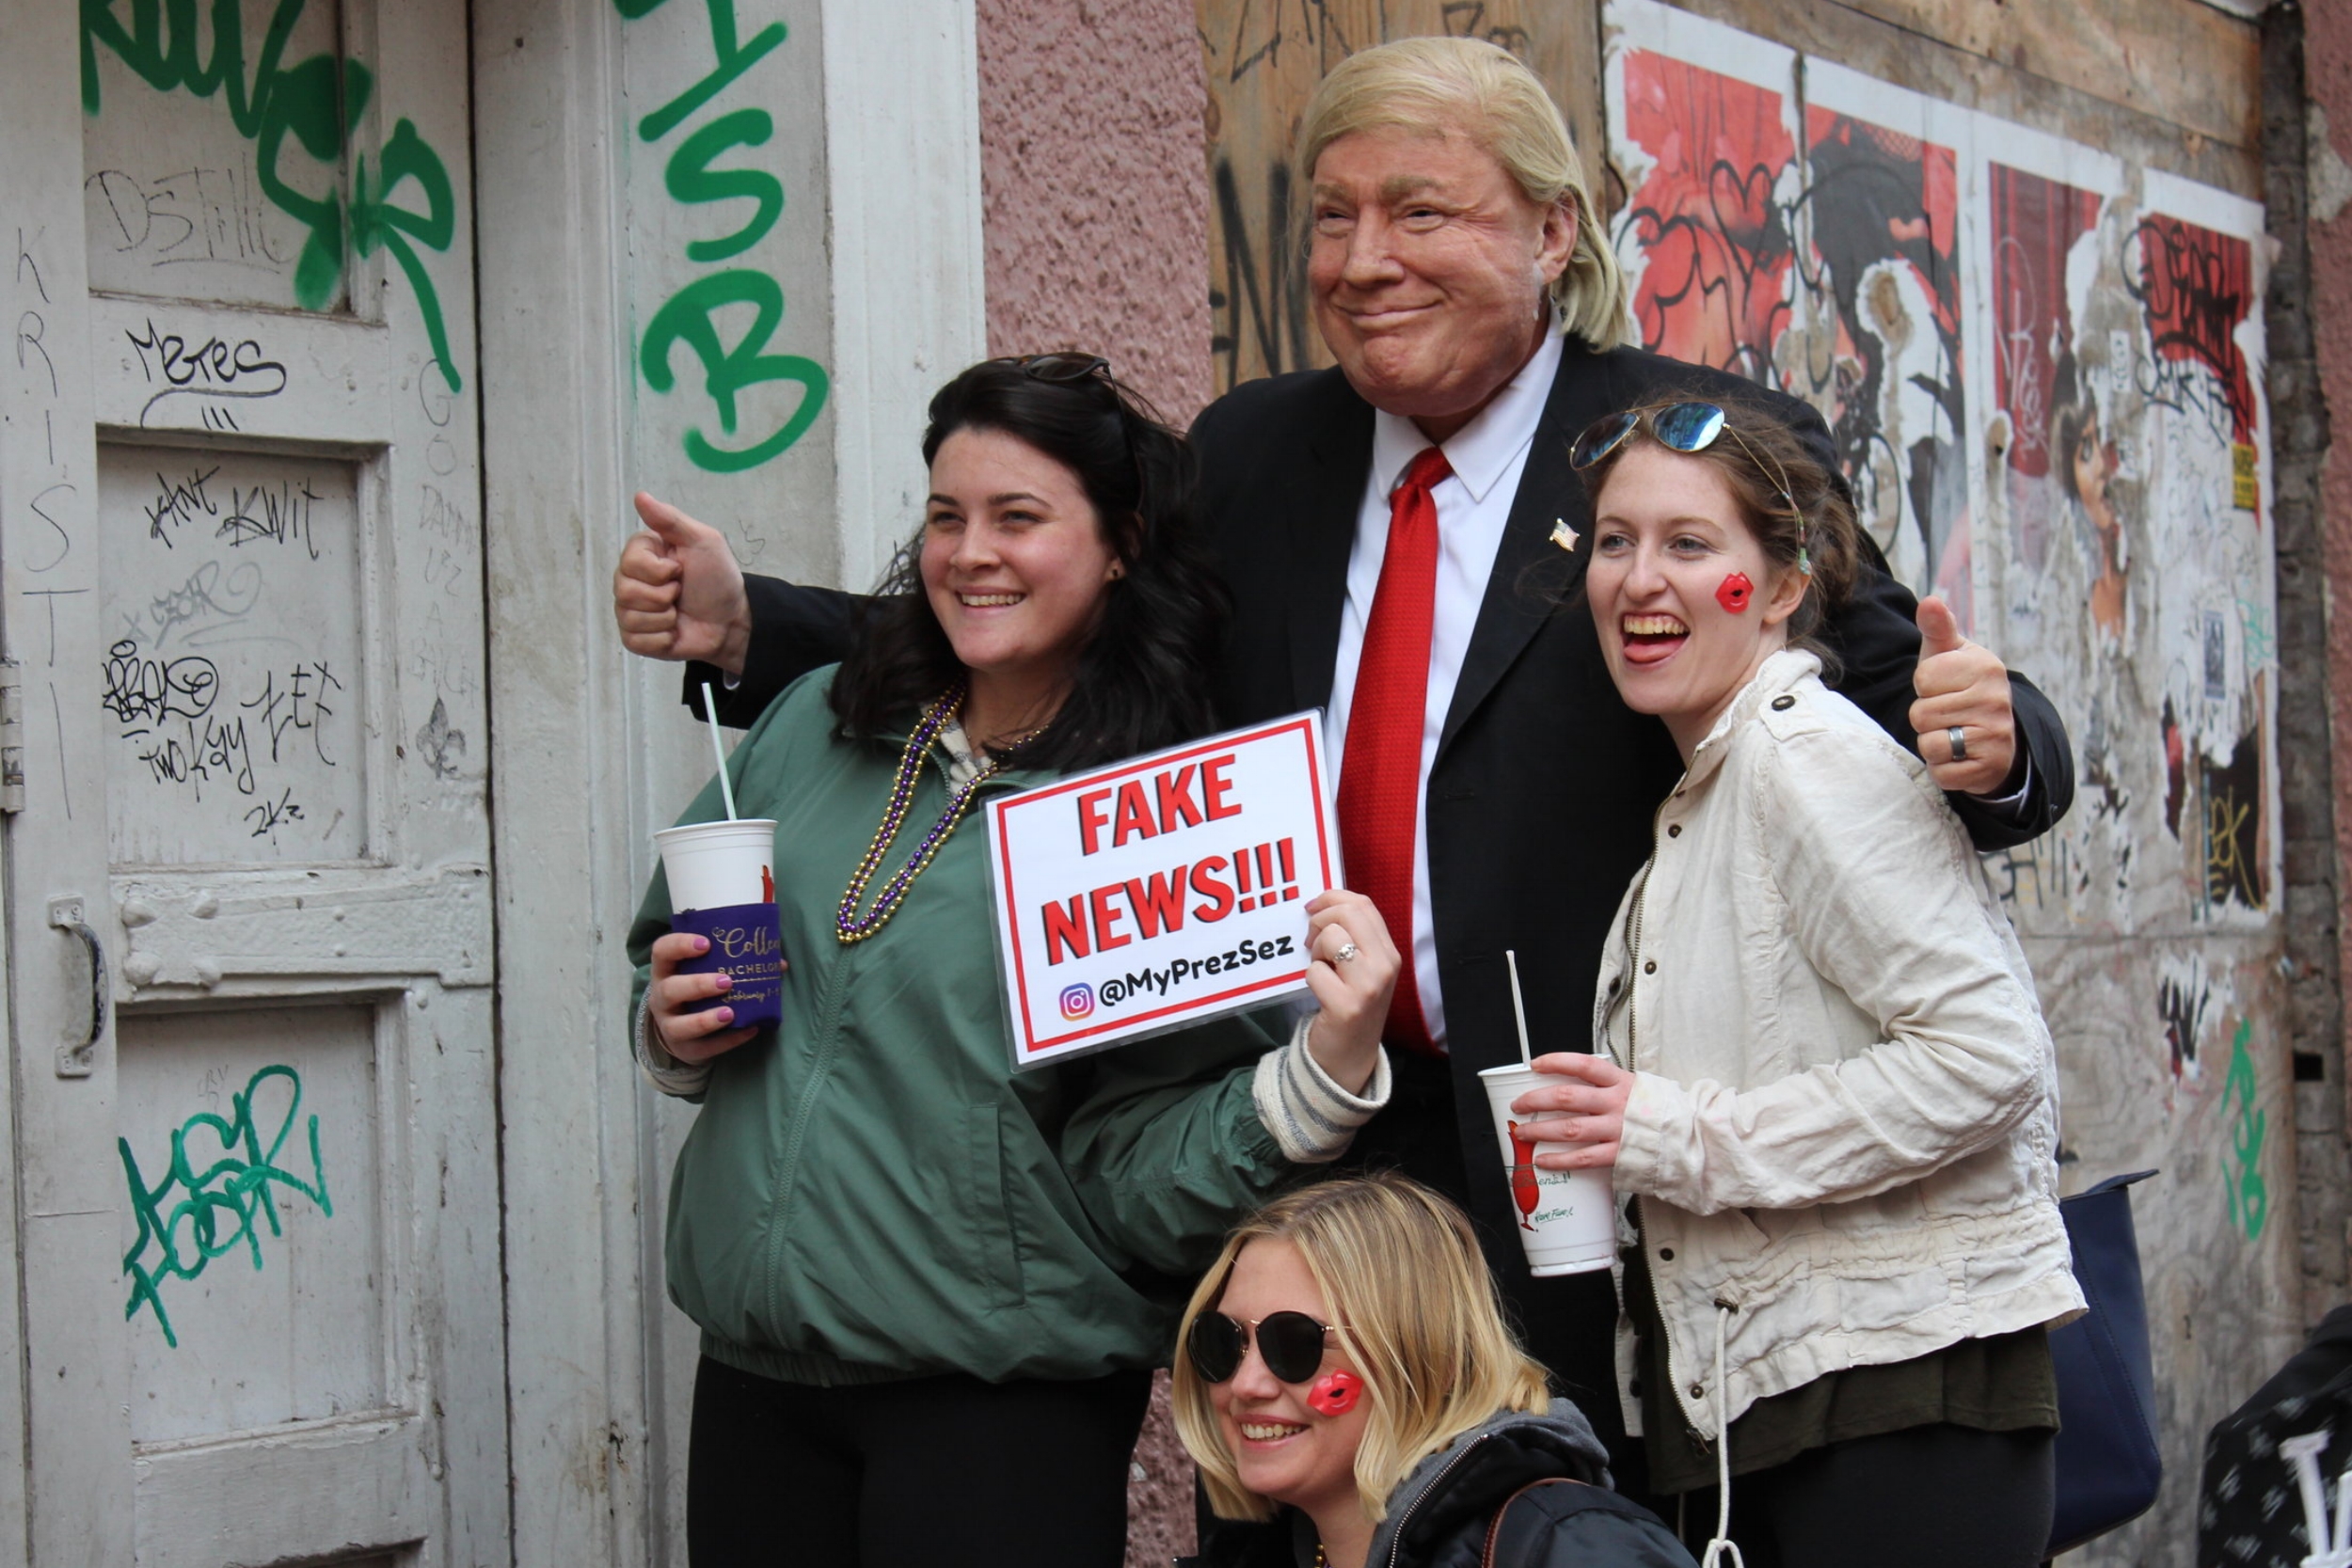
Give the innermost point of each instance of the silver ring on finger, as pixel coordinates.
(1959, 743)
(1347, 950)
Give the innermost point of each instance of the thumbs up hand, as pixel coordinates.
(1962, 686)
(677, 591)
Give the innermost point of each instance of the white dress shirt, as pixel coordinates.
(1488, 456)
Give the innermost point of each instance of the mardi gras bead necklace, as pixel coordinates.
(848, 926)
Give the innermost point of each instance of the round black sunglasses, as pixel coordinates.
(1290, 1344)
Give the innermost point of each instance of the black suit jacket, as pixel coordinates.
(1541, 797)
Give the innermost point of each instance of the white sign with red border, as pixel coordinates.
(1162, 891)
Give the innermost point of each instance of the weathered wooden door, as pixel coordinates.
(248, 910)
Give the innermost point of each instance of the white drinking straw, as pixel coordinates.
(727, 790)
(1517, 1006)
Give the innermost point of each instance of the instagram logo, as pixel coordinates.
(1077, 1001)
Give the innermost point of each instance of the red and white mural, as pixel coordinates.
(2043, 368)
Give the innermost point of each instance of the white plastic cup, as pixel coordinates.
(720, 864)
(1567, 1218)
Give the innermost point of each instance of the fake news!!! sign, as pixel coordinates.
(1163, 891)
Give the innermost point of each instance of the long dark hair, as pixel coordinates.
(1141, 680)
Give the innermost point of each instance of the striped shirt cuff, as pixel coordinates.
(1310, 1117)
(663, 1071)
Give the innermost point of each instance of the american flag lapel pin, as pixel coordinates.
(1562, 535)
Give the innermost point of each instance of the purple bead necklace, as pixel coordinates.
(848, 926)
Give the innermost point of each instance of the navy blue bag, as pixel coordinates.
(2108, 1466)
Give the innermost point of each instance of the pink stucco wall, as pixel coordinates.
(1094, 183)
(2328, 78)
(1094, 177)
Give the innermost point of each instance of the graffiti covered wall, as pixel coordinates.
(2043, 368)
(730, 332)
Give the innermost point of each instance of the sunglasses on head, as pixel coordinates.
(1684, 427)
(1062, 369)
(1290, 1344)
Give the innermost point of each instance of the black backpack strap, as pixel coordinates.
(1561, 1499)
(1494, 1528)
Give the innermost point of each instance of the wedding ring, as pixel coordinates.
(1959, 743)
(1347, 950)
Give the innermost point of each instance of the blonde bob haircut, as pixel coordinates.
(1415, 1313)
(1430, 85)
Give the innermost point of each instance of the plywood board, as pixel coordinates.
(2010, 89)
(2179, 61)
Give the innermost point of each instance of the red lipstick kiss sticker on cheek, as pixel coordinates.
(1735, 593)
(1334, 1393)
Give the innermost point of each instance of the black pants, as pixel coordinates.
(1930, 1497)
(896, 1475)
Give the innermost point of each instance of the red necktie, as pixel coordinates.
(1380, 773)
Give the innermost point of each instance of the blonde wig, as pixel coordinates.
(1415, 1314)
(1430, 85)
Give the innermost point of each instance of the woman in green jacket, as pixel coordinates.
(918, 1274)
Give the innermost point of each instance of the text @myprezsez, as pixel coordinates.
(1157, 981)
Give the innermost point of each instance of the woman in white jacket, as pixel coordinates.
(1819, 1063)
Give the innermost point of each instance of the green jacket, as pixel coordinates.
(870, 1191)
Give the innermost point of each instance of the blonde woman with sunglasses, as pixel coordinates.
(1820, 1067)
(1347, 1386)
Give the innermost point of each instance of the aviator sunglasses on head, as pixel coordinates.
(1290, 1344)
(1684, 427)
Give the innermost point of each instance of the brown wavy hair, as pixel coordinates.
(1754, 450)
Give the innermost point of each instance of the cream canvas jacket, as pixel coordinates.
(1844, 1117)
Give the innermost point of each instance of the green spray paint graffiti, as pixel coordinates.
(220, 1200)
(318, 102)
(2250, 1196)
(687, 317)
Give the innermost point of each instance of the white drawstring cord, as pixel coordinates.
(1722, 1548)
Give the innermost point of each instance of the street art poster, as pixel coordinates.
(2042, 375)
(2043, 368)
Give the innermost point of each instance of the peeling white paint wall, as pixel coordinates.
(634, 206)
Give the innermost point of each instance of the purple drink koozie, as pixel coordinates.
(746, 943)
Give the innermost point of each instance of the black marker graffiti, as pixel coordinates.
(267, 816)
(146, 691)
(26, 264)
(228, 227)
(2197, 287)
(300, 708)
(32, 340)
(195, 756)
(278, 514)
(65, 540)
(179, 503)
(440, 744)
(212, 369)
